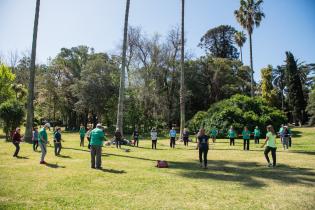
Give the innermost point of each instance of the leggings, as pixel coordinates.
(232, 141)
(154, 144)
(246, 144)
(35, 145)
(17, 149)
(172, 142)
(203, 151)
(273, 154)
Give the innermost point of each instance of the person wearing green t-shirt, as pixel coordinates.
(280, 132)
(232, 136)
(43, 141)
(82, 134)
(96, 143)
(246, 138)
(256, 135)
(213, 134)
(271, 145)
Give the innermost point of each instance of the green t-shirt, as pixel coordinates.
(281, 129)
(271, 140)
(257, 132)
(231, 134)
(246, 134)
(97, 137)
(82, 132)
(42, 134)
(214, 132)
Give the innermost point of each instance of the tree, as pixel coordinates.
(12, 114)
(240, 39)
(120, 110)
(219, 41)
(182, 73)
(250, 15)
(311, 107)
(30, 105)
(6, 82)
(267, 90)
(295, 89)
(279, 82)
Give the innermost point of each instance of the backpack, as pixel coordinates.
(162, 164)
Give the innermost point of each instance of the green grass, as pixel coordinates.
(234, 180)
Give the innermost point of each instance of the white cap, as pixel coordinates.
(47, 125)
(99, 125)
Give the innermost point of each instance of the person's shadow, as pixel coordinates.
(51, 165)
(21, 157)
(112, 171)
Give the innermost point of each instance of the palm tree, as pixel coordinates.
(120, 111)
(182, 75)
(250, 15)
(30, 105)
(279, 81)
(240, 39)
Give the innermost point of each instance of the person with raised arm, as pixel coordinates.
(271, 146)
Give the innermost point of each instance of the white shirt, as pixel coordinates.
(153, 135)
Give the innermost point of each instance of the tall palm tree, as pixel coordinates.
(250, 15)
(120, 111)
(240, 39)
(182, 74)
(30, 105)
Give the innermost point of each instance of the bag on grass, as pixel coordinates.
(162, 164)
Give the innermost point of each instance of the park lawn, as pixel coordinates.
(235, 179)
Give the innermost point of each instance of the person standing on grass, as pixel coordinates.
(256, 135)
(118, 138)
(97, 139)
(82, 134)
(280, 132)
(57, 141)
(290, 135)
(43, 141)
(271, 146)
(17, 139)
(186, 137)
(213, 134)
(172, 137)
(136, 137)
(203, 146)
(35, 139)
(232, 136)
(154, 137)
(246, 138)
(285, 137)
(88, 136)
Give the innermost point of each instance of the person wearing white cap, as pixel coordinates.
(43, 140)
(97, 139)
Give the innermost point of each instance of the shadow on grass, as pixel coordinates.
(113, 171)
(126, 156)
(296, 134)
(64, 156)
(21, 157)
(246, 173)
(51, 165)
(304, 152)
(70, 148)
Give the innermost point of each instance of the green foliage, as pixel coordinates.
(219, 42)
(267, 90)
(12, 114)
(239, 111)
(311, 107)
(6, 81)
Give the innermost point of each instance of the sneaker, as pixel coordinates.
(42, 162)
(201, 165)
(269, 165)
(274, 166)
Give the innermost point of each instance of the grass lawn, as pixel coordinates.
(235, 179)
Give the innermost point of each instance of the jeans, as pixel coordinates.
(232, 141)
(203, 152)
(96, 156)
(154, 144)
(246, 144)
(17, 149)
(57, 148)
(118, 143)
(35, 145)
(273, 154)
(172, 142)
(43, 148)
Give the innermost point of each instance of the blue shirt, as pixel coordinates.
(172, 133)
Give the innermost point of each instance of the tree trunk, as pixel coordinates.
(182, 75)
(241, 54)
(251, 66)
(30, 105)
(120, 112)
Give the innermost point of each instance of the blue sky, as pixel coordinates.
(289, 25)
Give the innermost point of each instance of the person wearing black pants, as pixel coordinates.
(118, 138)
(57, 141)
(246, 137)
(136, 137)
(271, 146)
(172, 137)
(203, 145)
(17, 138)
(153, 138)
(232, 135)
(185, 137)
(35, 139)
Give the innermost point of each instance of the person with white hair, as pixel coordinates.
(96, 143)
(154, 138)
(43, 141)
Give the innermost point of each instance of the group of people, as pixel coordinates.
(96, 138)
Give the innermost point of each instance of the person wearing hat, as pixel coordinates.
(172, 137)
(256, 135)
(96, 143)
(43, 141)
(57, 141)
(17, 139)
(35, 139)
(154, 138)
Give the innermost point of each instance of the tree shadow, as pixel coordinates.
(70, 148)
(149, 148)
(51, 165)
(296, 134)
(21, 157)
(247, 173)
(126, 156)
(304, 152)
(112, 171)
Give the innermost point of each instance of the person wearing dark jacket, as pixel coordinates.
(136, 137)
(17, 139)
(57, 141)
(186, 137)
(203, 146)
(118, 138)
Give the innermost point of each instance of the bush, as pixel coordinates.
(12, 114)
(238, 111)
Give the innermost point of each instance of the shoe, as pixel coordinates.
(92, 167)
(205, 167)
(201, 165)
(269, 165)
(274, 166)
(42, 162)
(99, 168)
